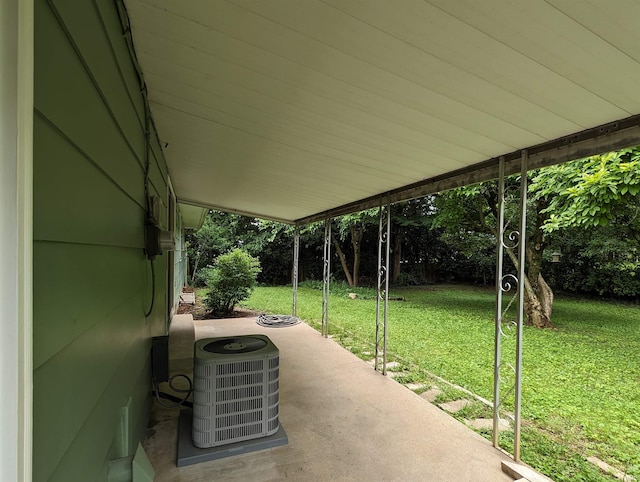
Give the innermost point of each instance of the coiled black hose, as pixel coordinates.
(277, 321)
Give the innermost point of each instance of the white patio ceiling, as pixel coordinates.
(285, 109)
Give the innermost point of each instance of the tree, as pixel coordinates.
(353, 227)
(417, 245)
(211, 240)
(222, 232)
(596, 191)
(598, 260)
(473, 211)
(587, 194)
(596, 199)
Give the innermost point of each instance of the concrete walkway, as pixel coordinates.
(344, 420)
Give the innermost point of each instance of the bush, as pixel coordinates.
(230, 280)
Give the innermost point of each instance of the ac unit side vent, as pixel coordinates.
(273, 412)
(239, 367)
(236, 390)
(238, 434)
(239, 393)
(202, 371)
(273, 425)
(239, 419)
(239, 380)
(201, 424)
(238, 406)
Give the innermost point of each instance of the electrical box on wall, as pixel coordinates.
(160, 358)
(167, 241)
(157, 240)
(152, 240)
(154, 216)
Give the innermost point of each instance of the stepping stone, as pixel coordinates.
(188, 298)
(392, 364)
(415, 386)
(487, 424)
(523, 472)
(605, 467)
(396, 374)
(455, 406)
(431, 394)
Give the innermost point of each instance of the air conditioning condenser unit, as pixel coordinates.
(236, 390)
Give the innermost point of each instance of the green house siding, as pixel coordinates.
(92, 281)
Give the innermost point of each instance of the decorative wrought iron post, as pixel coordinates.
(498, 320)
(382, 300)
(508, 323)
(326, 277)
(296, 257)
(521, 274)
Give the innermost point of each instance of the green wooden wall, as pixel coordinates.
(92, 281)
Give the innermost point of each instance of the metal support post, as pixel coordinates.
(326, 277)
(296, 257)
(521, 274)
(498, 318)
(506, 322)
(382, 298)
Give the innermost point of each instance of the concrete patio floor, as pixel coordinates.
(344, 420)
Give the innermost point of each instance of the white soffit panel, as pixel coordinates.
(288, 108)
(192, 216)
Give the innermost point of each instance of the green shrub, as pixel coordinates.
(230, 280)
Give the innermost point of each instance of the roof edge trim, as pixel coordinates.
(604, 138)
(199, 204)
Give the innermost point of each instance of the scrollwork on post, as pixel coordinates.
(507, 379)
(512, 239)
(508, 282)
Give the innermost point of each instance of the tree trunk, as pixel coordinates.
(539, 313)
(545, 295)
(397, 255)
(537, 306)
(538, 298)
(195, 268)
(343, 261)
(356, 240)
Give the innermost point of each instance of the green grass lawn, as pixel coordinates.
(581, 382)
